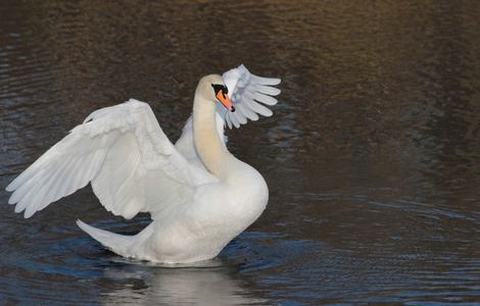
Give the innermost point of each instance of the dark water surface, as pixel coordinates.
(372, 156)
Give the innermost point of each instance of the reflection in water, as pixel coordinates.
(372, 155)
(198, 286)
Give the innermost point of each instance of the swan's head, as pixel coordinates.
(213, 88)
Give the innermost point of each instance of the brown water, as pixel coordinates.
(372, 155)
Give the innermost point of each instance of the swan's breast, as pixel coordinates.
(248, 193)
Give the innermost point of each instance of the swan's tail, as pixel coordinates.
(123, 245)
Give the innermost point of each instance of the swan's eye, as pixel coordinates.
(219, 87)
(222, 97)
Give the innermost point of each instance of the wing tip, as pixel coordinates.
(275, 81)
(12, 201)
(11, 187)
(28, 210)
(28, 213)
(80, 223)
(84, 226)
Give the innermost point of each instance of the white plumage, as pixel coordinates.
(250, 94)
(199, 195)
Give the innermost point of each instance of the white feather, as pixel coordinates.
(133, 167)
(115, 149)
(246, 90)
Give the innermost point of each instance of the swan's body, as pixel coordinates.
(198, 194)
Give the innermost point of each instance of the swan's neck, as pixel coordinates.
(209, 146)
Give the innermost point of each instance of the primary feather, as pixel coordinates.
(249, 93)
(115, 149)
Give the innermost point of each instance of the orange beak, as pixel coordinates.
(225, 100)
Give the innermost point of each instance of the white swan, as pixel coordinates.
(198, 194)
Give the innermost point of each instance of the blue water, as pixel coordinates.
(372, 155)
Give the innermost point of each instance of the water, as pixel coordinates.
(372, 155)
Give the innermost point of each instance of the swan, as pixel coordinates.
(199, 195)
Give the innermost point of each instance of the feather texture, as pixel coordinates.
(116, 149)
(249, 93)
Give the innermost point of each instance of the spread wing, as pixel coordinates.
(251, 95)
(120, 150)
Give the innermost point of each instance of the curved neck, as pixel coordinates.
(209, 146)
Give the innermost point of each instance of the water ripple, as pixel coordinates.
(371, 155)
